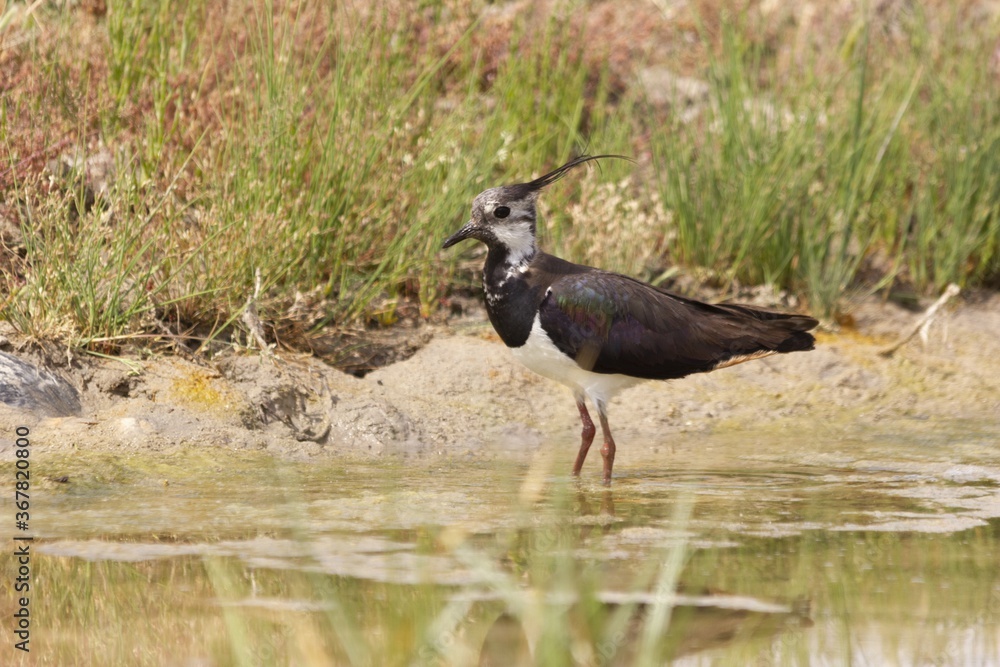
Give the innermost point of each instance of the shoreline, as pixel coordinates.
(462, 393)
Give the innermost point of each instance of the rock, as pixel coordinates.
(95, 173)
(683, 96)
(28, 387)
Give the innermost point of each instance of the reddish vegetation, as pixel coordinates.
(64, 96)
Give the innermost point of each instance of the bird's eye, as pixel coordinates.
(501, 211)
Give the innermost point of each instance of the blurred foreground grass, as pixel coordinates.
(243, 560)
(155, 155)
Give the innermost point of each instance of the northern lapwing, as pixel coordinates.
(599, 332)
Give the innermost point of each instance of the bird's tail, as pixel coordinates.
(780, 332)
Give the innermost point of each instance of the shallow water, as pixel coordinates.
(800, 546)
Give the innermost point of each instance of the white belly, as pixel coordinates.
(541, 355)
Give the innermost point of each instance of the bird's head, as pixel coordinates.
(504, 217)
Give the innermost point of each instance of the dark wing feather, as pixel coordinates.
(614, 324)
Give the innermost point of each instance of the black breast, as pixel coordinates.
(512, 302)
(513, 294)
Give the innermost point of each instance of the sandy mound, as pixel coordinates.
(463, 394)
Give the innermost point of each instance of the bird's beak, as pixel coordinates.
(460, 235)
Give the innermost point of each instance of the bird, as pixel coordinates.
(599, 332)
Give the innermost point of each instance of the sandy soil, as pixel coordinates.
(463, 395)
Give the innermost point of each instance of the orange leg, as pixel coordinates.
(586, 437)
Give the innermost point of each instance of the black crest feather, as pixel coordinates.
(523, 189)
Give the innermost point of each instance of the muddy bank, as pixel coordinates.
(463, 395)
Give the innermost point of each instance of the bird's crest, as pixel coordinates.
(524, 189)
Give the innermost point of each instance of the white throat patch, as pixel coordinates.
(518, 239)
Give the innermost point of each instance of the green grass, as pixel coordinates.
(803, 186)
(332, 149)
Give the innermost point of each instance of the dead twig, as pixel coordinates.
(924, 323)
(252, 320)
